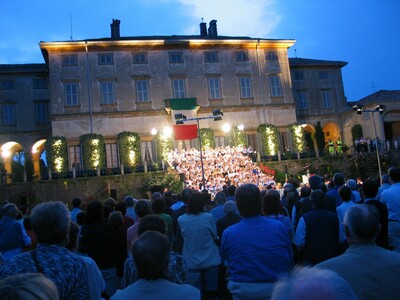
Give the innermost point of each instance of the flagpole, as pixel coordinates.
(201, 154)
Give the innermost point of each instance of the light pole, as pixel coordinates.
(181, 119)
(380, 109)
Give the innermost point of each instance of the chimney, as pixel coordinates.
(203, 29)
(212, 29)
(115, 29)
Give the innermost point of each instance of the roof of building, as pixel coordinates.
(303, 62)
(379, 96)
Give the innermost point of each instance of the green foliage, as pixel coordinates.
(57, 153)
(356, 132)
(164, 145)
(93, 151)
(319, 137)
(207, 138)
(129, 148)
(298, 140)
(240, 139)
(169, 180)
(269, 139)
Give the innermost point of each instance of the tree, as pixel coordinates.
(319, 137)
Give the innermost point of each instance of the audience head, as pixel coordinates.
(352, 184)
(345, 193)
(111, 203)
(10, 210)
(152, 223)
(312, 284)
(186, 192)
(394, 175)
(115, 219)
(230, 207)
(385, 178)
(151, 255)
(317, 198)
(315, 182)
(156, 195)
(220, 198)
(121, 207)
(338, 179)
(158, 206)
(248, 200)
(361, 223)
(28, 286)
(50, 223)
(231, 190)
(130, 201)
(94, 212)
(305, 191)
(370, 188)
(76, 202)
(142, 208)
(196, 204)
(272, 203)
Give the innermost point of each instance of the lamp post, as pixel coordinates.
(181, 119)
(380, 109)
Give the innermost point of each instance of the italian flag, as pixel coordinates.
(187, 107)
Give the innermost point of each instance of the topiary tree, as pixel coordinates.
(57, 153)
(319, 137)
(298, 140)
(207, 138)
(269, 139)
(129, 148)
(93, 151)
(164, 144)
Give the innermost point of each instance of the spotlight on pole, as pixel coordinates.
(217, 114)
(380, 108)
(358, 108)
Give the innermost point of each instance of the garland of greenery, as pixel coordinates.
(93, 151)
(207, 138)
(57, 153)
(319, 137)
(298, 140)
(356, 132)
(129, 148)
(164, 145)
(269, 139)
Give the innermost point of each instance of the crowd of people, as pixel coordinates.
(250, 241)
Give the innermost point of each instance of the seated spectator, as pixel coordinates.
(272, 208)
(142, 209)
(312, 284)
(50, 222)
(28, 286)
(12, 234)
(231, 217)
(127, 221)
(151, 254)
(177, 269)
(130, 207)
(356, 196)
(218, 211)
(158, 209)
(96, 281)
(345, 194)
(370, 270)
(257, 250)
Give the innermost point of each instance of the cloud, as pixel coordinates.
(255, 18)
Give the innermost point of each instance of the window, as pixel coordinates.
(39, 84)
(214, 88)
(176, 57)
(148, 151)
(105, 59)
(41, 113)
(71, 94)
(210, 56)
(326, 99)
(7, 85)
(271, 56)
(107, 92)
(9, 117)
(139, 58)
(75, 157)
(241, 56)
(142, 91)
(323, 75)
(112, 155)
(245, 87)
(68, 60)
(302, 100)
(275, 85)
(298, 75)
(178, 88)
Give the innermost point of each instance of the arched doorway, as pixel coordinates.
(14, 162)
(308, 132)
(391, 123)
(38, 157)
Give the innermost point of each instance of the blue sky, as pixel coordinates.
(364, 33)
